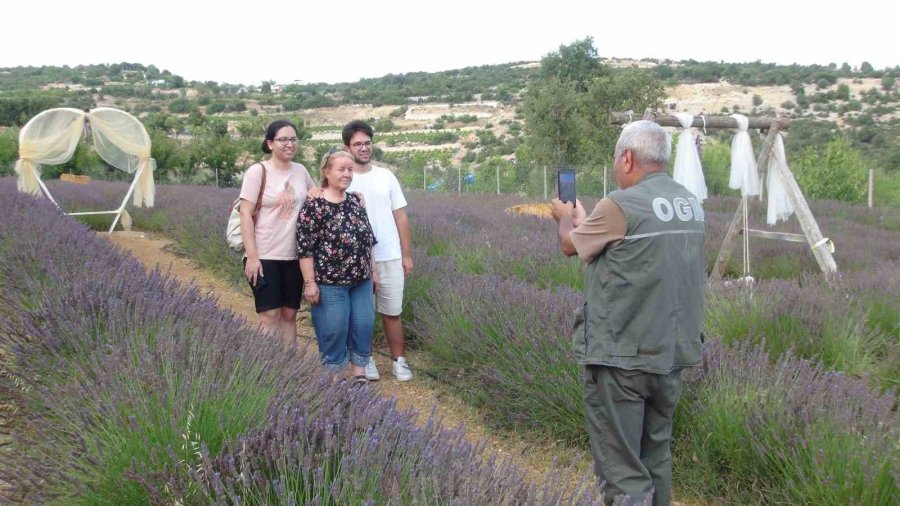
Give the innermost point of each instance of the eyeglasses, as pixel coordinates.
(287, 140)
(331, 151)
(357, 145)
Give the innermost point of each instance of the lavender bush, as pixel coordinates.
(788, 430)
(483, 309)
(813, 318)
(138, 390)
(506, 344)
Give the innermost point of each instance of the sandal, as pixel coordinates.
(359, 381)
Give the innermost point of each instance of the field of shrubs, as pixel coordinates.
(134, 389)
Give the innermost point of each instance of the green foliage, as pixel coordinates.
(835, 172)
(716, 162)
(383, 125)
(567, 120)
(576, 63)
(17, 108)
(554, 122)
(180, 106)
(887, 188)
(9, 150)
(215, 107)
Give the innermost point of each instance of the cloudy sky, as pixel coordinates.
(345, 40)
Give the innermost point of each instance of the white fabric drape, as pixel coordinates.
(120, 139)
(49, 138)
(744, 174)
(780, 207)
(688, 170)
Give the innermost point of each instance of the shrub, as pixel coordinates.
(836, 172)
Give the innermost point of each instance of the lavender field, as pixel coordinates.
(796, 401)
(134, 389)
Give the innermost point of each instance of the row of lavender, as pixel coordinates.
(495, 332)
(751, 426)
(851, 325)
(783, 408)
(135, 389)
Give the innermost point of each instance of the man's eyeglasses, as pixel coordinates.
(357, 145)
(287, 140)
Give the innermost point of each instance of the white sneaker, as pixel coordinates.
(401, 370)
(372, 370)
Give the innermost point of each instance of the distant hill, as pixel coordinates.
(862, 103)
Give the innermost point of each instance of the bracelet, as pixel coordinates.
(309, 282)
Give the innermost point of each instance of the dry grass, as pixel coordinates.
(541, 209)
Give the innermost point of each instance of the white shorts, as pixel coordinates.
(389, 293)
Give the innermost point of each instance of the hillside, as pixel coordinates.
(460, 120)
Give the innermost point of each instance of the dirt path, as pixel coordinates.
(421, 395)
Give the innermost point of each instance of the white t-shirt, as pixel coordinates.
(383, 197)
(284, 195)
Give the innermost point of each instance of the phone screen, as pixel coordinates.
(565, 180)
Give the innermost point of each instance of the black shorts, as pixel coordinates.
(281, 285)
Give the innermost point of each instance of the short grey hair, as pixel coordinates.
(649, 142)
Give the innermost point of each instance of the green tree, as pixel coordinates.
(836, 172)
(179, 106)
(577, 62)
(555, 123)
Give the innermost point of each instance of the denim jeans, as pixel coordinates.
(344, 319)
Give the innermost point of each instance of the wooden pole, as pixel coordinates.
(621, 118)
(871, 187)
(817, 243)
(604, 180)
(727, 248)
(545, 183)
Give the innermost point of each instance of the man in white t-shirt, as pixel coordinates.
(385, 206)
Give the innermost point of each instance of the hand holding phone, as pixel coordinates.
(260, 282)
(565, 183)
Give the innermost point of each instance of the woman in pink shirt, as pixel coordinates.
(270, 241)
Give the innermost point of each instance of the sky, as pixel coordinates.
(339, 41)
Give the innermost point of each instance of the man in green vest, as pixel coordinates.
(644, 286)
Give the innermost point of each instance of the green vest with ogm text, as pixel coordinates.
(644, 308)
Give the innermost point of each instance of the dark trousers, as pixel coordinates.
(629, 421)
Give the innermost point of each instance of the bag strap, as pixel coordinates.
(262, 187)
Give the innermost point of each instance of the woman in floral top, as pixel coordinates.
(334, 244)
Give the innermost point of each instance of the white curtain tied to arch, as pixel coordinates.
(688, 170)
(49, 138)
(120, 139)
(780, 207)
(744, 175)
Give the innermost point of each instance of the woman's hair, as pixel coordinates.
(272, 131)
(327, 161)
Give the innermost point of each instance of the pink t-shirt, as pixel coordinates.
(284, 195)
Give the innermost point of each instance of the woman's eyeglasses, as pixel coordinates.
(287, 140)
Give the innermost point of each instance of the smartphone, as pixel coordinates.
(260, 282)
(565, 183)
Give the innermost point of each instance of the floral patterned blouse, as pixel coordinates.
(338, 237)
